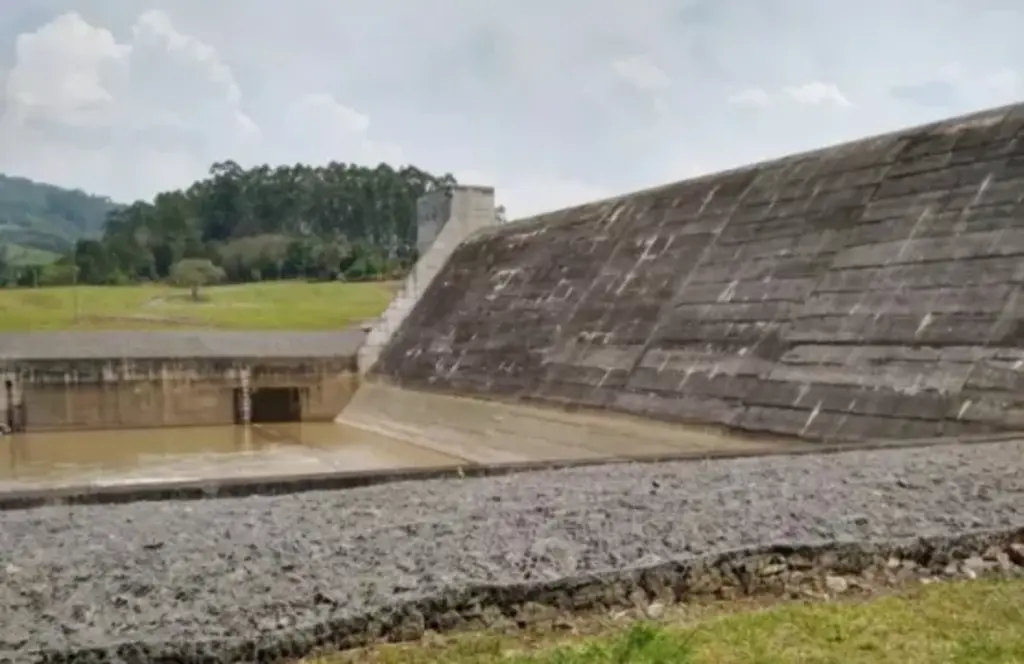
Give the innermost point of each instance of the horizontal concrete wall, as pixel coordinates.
(870, 290)
(110, 394)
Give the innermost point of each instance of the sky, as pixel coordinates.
(552, 102)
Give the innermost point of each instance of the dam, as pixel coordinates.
(799, 379)
(871, 290)
(866, 294)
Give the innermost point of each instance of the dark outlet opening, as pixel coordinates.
(14, 422)
(9, 404)
(271, 405)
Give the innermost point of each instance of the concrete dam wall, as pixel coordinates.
(871, 290)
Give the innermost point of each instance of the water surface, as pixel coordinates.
(108, 457)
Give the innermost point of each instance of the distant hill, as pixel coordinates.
(37, 216)
(21, 255)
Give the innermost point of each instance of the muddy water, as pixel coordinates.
(109, 457)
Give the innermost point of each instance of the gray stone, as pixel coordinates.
(976, 564)
(533, 612)
(87, 588)
(638, 599)
(655, 611)
(836, 584)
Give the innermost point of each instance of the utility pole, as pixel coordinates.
(74, 283)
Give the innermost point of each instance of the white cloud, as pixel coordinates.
(84, 109)
(814, 93)
(190, 58)
(1005, 82)
(817, 93)
(43, 84)
(640, 72)
(542, 194)
(553, 104)
(751, 97)
(956, 84)
(321, 129)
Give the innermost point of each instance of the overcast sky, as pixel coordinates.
(554, 102)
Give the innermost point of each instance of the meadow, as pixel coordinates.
(20, 255)
(976, 622)
(281, 305)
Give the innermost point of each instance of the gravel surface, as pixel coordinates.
(93, 575)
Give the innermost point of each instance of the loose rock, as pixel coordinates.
(655, 611)
(336, 569)
(836, 585)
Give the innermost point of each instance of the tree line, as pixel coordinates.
(338, 221)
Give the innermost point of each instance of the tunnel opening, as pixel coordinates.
(271, 405)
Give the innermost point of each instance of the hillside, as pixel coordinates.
(45, 217)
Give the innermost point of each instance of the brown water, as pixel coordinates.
(109, 457)
(382, 428)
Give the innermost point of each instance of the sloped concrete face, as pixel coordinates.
(444, 218)
(485, 433)
(870, 290)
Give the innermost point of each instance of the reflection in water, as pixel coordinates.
(196, 452)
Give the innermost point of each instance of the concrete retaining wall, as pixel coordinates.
(869, 290)
(104, 380)
(112, 394)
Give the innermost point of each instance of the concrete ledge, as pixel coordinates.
(237, 487)
(20, 347)
(774, 570)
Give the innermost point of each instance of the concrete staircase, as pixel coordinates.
(444, 220)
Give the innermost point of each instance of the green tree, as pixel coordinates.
(93, 262)
(193, 273)
(267, 222)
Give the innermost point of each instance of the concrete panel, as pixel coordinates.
(488, 432)
(119, 393)
(692, 302)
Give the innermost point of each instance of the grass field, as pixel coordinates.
(264, 306)
(979, 622)
(19, 255)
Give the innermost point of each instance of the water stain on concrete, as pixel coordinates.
(492, 432)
